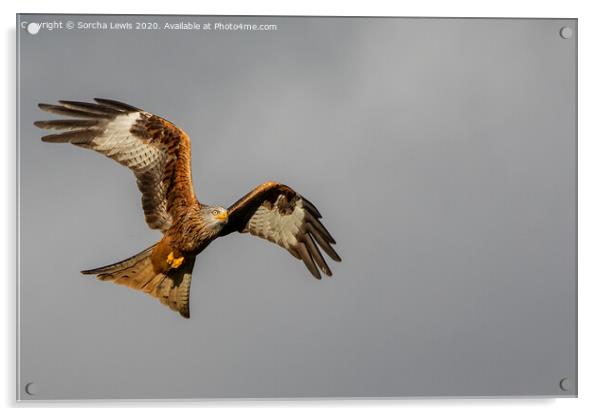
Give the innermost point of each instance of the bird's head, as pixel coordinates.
(215, 216)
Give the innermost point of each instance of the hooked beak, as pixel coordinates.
(223, 216)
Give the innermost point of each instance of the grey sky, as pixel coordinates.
(441, 153)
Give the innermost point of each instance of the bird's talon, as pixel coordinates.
(173, 261)
(177, 262)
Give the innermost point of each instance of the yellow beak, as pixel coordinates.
(223, 216)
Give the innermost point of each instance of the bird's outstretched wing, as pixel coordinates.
(157, 152)
(277, 213)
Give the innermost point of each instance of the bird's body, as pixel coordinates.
(158, 153)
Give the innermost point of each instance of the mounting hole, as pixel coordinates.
(31, 389)
(33, 28)
(566, 384)
(566, 32)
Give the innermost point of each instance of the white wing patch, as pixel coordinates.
(280, 228)
(118, 143)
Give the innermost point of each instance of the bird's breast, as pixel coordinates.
(191, 235)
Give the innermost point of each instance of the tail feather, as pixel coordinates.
(129, 262)
(172, 288)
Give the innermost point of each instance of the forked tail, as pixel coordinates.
(172, 287)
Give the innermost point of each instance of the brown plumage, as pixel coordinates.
(158, 153)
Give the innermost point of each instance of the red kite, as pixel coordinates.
(158, 153)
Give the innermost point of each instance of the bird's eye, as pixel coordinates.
(215, 212)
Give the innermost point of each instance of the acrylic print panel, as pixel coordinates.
(441, 154)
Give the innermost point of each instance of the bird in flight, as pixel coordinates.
(158, 153)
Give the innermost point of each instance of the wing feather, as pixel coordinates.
(154, 149)
(66, 124)
(324, 245)
(62, 110)
(91, 108)
(277, 213)
(316, 255)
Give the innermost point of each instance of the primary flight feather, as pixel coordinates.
(158, 153)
